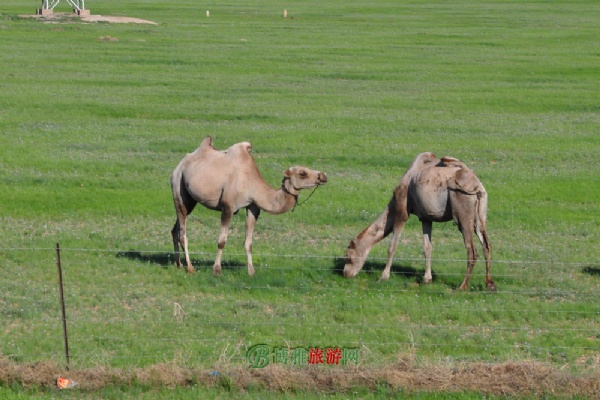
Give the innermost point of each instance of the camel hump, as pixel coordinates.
(247, 146)
(425, 158)
(239, 148)
(205, 145)
(207, 142)
(448, 161)
(466, 181)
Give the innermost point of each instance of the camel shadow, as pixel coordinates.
(375, 268)
(163, 259)
(167, 260)
(594, 271)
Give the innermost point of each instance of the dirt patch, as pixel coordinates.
(57, 18)
(516, 379)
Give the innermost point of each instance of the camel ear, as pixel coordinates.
(465, 181)
(288, 172)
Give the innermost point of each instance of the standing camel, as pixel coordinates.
(227, 181)
(434, 191)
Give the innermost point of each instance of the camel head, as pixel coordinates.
(298, 178)
(354, 260)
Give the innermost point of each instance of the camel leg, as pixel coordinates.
(427, 227)
(178, 232)
(226, 215)
(487, 250)
(180, 237)
(359, 248)
(398, 226)
(175, 234)
(471, 255)
(252, 213)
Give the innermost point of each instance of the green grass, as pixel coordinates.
(194, 393)
(91, 129)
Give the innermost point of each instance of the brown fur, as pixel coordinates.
(435, 191)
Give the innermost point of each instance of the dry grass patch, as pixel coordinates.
(522, 378)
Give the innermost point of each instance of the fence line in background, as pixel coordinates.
(212, 254)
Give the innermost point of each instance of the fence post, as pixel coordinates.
(62, 303)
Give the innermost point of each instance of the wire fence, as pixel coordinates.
(127, 308)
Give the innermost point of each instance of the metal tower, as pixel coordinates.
(48, 7)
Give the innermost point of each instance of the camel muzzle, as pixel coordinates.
(322, 179)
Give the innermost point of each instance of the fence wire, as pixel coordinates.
(117, 320)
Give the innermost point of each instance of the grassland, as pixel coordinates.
(90, 130)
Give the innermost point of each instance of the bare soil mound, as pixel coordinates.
(57, 18)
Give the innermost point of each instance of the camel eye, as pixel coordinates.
(303, 174)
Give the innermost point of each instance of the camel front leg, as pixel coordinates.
(252, 213)
(397, 229)
(427, 227)
(226, 215)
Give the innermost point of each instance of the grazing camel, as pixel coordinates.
(227, 181)
(434, 191)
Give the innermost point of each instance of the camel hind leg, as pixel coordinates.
(471, 255)
(481, 230)
(175, 232)
(184, 205)
(464, 213)
(469, 213)
(487, 251)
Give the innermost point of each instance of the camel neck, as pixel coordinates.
(288, 188)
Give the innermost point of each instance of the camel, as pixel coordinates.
(434, 191)
(227, 181)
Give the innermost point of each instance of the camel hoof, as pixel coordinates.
(190, 270)
(491, 287)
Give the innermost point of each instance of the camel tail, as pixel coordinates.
(482, 206)
(183, 201)
(176, 180)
